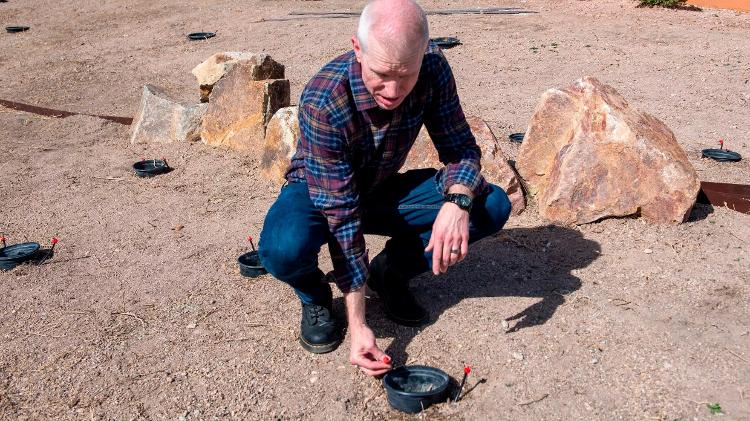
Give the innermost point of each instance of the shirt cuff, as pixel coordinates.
(351, 274)
(459, 174)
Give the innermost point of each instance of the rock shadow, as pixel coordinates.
(517, 262)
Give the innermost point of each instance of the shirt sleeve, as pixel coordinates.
(331, 182)
(445, 122)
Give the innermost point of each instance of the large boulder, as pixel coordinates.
(240, 107)
(495, 166)
(281, 143)
(163, 120)
(588, 155)
(261, 67)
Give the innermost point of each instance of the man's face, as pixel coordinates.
(388, 76)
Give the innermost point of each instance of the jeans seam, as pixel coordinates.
(434, 207)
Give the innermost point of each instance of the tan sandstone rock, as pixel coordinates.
(163, 120)
(495, 166)
(261, 67)
(240, 107)
(588, 155)
(282, 133)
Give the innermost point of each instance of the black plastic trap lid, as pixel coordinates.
(516, 137)
(150, 167)
(417, 380)
(250, 265)
(14, 29)
(446, 42)
(18, 252)
(722, 155)
(201, 35)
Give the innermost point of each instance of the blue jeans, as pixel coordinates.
(404, 207)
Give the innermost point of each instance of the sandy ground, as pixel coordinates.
(142, 312)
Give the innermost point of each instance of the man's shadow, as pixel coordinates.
(518, 262)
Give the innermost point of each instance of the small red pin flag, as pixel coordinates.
(54, 242)
(721, 143)
(250, 239)
(2, 238)
(467, 370)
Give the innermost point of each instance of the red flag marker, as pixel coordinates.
(54, 241)
(250, 239)
(721, 143)
(3, 240)
(467, 370)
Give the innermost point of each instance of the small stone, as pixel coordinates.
(178, 227)
(192, 325)
(648, 251)
(594, 361)
(505, 324)
(518, 356)
(313, 379)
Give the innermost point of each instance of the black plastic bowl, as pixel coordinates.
(446, 42)
(195, 36)
(250, 265)
(516, 137)
(413, 388)
(150, 167)
(13, 255)
(14, 29)
(722, 155)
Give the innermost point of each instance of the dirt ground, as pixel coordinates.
(142, 312)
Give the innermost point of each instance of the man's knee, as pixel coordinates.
(497, 207)
(288, 250)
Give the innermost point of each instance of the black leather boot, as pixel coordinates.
(320, 332)
(400, 304)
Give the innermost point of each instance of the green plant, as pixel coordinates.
(671, 4)
(715, 408)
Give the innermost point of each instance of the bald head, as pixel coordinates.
(396, 25)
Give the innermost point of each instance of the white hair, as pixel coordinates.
(368, 18)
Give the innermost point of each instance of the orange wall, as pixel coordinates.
(742, 5)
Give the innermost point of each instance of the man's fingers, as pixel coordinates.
(464, 247)
(446, 256)
(381, 356)
(437, 251)
(449, 257)
(374, 372)
(370, 364)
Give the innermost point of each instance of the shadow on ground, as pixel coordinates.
(518, 262)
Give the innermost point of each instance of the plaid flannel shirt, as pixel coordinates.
(348, 145)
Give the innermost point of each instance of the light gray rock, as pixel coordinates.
(163, 120)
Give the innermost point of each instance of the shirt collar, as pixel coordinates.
(362, 98)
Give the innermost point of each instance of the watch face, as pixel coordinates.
(465, 201)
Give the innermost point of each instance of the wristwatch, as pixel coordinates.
(463, 201)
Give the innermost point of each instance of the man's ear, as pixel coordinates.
(357, 48)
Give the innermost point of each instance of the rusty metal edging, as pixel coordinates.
(732, 196)
(49, 112)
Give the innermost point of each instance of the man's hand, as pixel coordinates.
(449, 242)
(364, 352)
